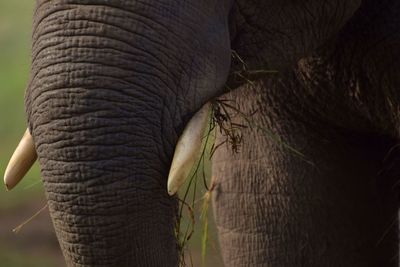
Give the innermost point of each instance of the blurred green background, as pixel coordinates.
(36, 245)
(15, 25)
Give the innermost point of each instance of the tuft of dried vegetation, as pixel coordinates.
(222, 117)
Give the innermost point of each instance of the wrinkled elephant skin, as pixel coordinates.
(114, 82)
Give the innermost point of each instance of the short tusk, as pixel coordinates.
(187, 149)
(20, 162)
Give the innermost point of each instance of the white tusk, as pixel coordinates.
(187, 149)
(20, 162)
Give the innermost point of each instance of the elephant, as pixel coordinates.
(114, 83)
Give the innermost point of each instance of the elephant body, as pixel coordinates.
(337, 203)
(114, 82)
(332, 206)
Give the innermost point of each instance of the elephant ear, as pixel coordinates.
(187, 149)
(21, 161)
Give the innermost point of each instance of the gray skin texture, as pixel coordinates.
(114, 82)
(337, 205)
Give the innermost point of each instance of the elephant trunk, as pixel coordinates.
(96, 114)
(112, 85)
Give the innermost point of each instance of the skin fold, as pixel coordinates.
(114, 82)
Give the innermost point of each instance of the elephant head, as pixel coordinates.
(114, 83)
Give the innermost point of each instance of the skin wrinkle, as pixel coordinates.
(168, 31)
(118, 66)
(115, 38)
(87, 48)
(43, 96)
(92, 84)
(106, 129)
(97, 99)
